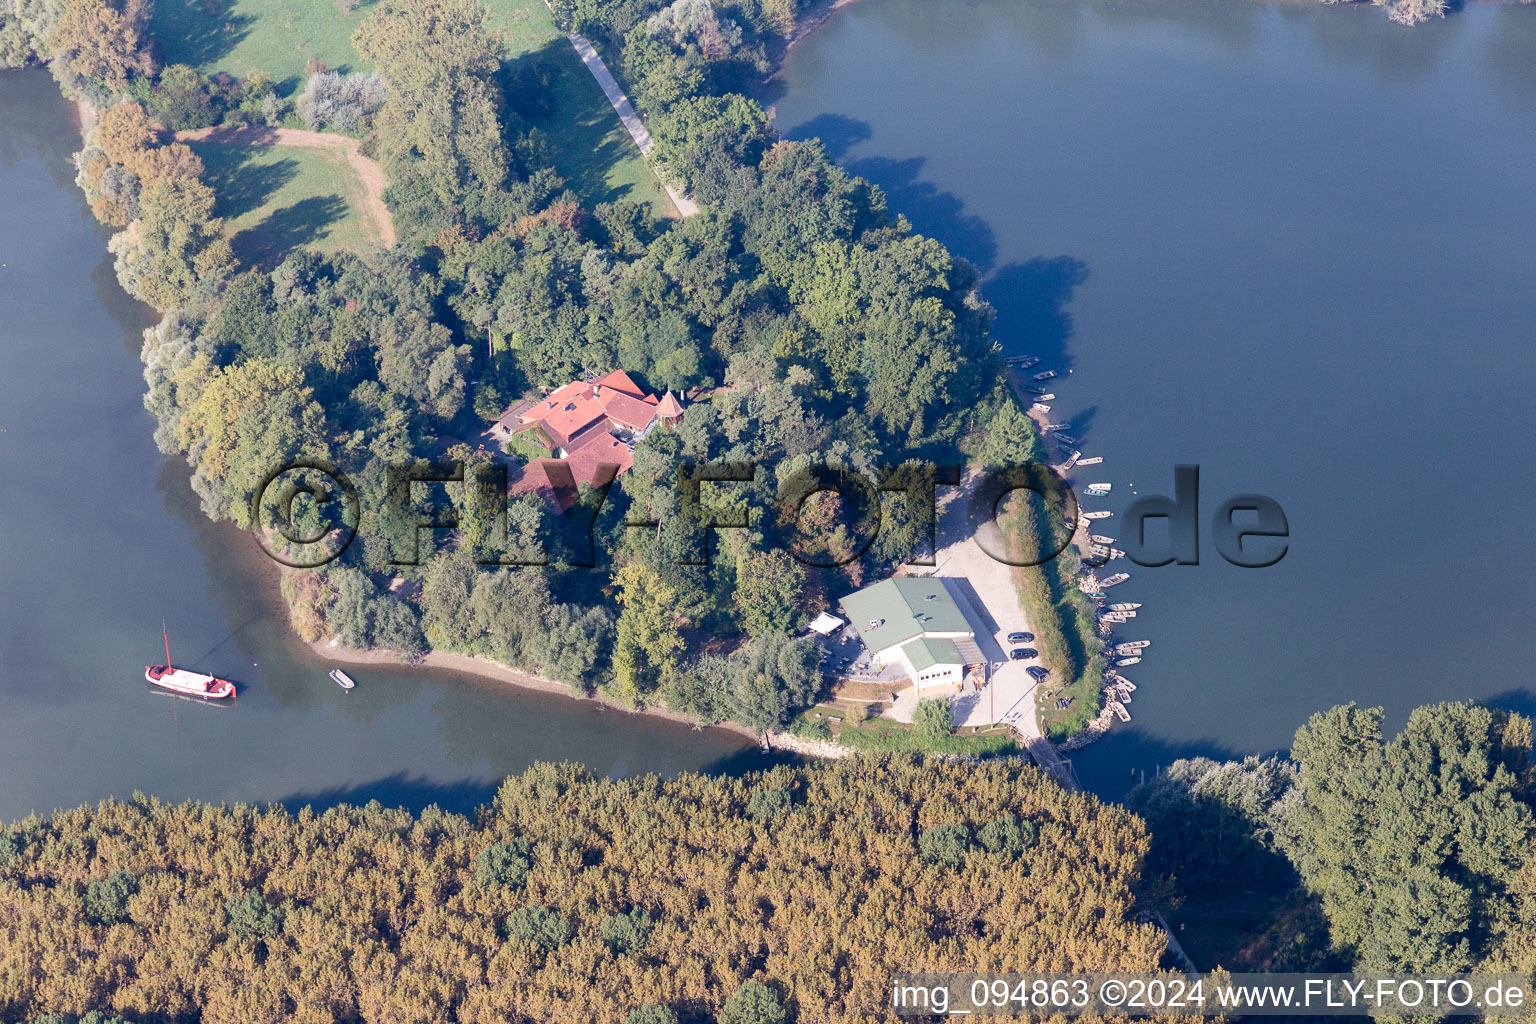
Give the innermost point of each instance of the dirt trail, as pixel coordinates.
(369, 171)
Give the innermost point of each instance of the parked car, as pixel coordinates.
(1020, 638)
(1023, 653)
(1038, 672)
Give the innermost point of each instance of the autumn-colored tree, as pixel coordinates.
(103, 42)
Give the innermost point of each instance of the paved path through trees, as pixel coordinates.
(626, 111)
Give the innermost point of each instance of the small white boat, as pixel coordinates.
(1122, 682)
(1101, 514)
(1115, 580)
(1128, 661)
(1119, 710)
(1091, 462)
(1072, 458)
(1099, 538)
(1132, 645)
(1045, 375)
(342, 679)
(1116, 553)
(1106, 488)
(1095, 491)
(1040, 407)
(1046, 396)
(1125, 606)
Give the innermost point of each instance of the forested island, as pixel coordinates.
(813, 324)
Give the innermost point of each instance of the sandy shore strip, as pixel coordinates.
(333, 651)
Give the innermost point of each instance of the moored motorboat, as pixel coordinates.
(1041, 407)
(1095, 491)
(342, 679)
(1099, 538)
(182, 681)
(1125, 606)
(1094, 461)
(1045, 375)
(1101, 514)
(1066, 438)
(1119, 710)
(1122, 662)
(1115, 580)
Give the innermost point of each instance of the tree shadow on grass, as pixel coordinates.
(585, 137)
(241, 184)
(285, 229)
(198, 32)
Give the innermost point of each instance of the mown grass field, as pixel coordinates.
(242, 36)
(278, 198)
(587, 143)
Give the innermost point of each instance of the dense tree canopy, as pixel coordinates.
(570, 899)
(1419, 847)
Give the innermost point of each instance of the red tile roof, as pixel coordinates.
(620, 381)
(578, 416)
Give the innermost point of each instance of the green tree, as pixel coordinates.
(106, 899)
(176, 251)
(753, 1003)
(504, 865)
(542, 926)
(651, 1013)
(440, 128)
(770, 592)
(252, 917)
(626, 933)
(933, 719)
(944, 845)
(648, 637)
(1416, 846)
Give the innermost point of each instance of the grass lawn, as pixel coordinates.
(277, 198)
(242, 36)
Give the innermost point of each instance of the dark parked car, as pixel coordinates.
(1038, 672)
(1020, 638)
(1023, 653)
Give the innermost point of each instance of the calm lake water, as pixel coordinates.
(1295, 245)
(101, 538)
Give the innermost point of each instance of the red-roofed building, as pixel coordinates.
(586, 424)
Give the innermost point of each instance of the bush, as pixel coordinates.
(343, 104)
(626, 933)
(106, 899)
(542, 926)
(944, 844)
(182, 101)
(934, 719)
(504, 865)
